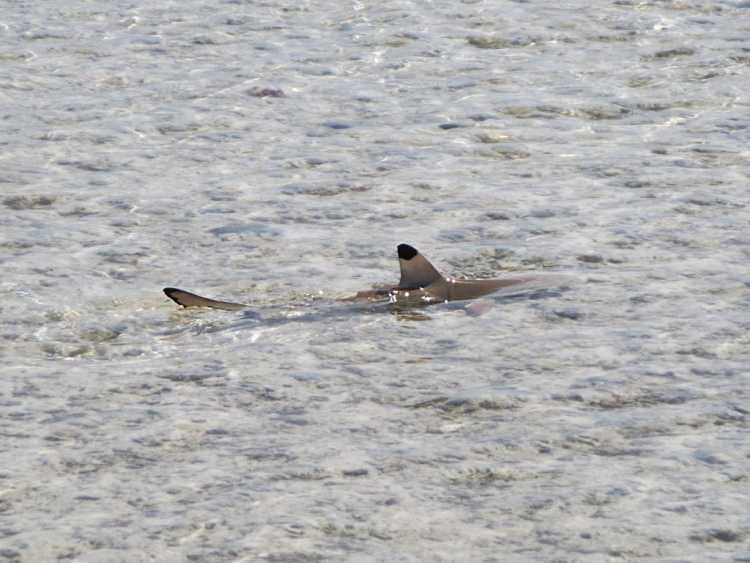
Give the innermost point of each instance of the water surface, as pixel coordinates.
(275, 154)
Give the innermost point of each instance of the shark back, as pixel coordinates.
(460, 289)
(450, 289)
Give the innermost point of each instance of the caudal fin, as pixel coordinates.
(187, 299)
(416, 270)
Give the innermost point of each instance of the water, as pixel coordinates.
(276, 154)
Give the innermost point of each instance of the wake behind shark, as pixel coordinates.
(420, 284)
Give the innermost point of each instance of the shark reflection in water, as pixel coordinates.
(420, 284)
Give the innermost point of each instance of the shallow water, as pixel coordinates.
(275, 154)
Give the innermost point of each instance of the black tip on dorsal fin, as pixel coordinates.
(416, 270)
(406, 252)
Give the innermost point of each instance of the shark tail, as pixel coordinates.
(187, 299)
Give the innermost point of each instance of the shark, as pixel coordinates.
(420, 284)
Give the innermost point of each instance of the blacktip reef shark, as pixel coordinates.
(420, 284)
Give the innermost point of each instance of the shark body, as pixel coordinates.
(420, 283)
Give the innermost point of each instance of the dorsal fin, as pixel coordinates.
(416, 270)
